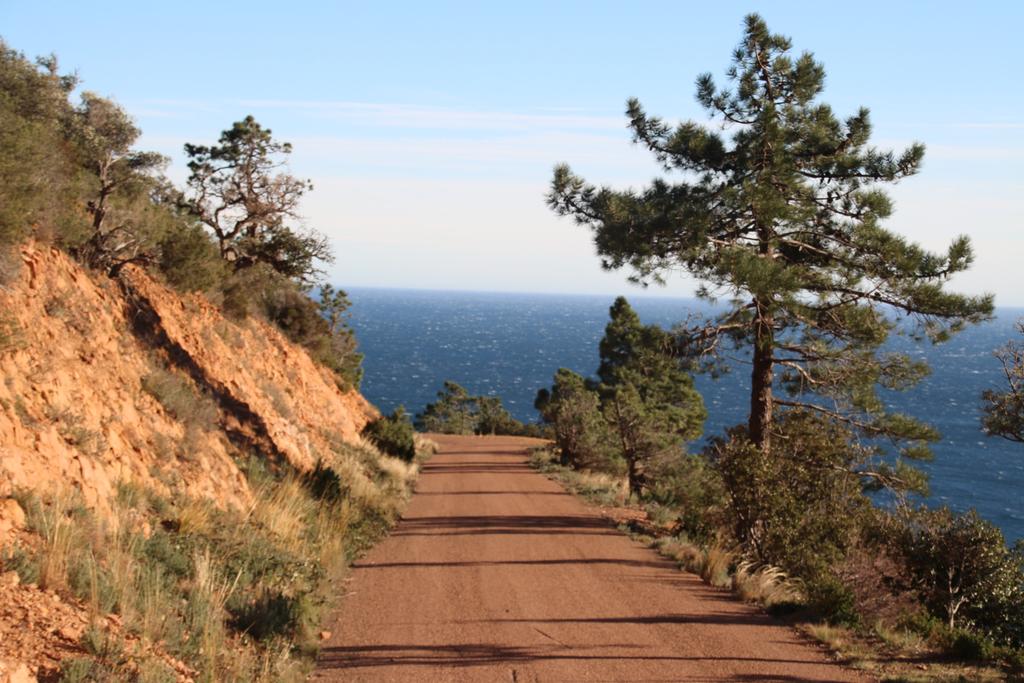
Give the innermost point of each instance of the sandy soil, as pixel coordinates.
(496, 574)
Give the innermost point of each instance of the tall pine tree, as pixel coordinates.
(781, 209)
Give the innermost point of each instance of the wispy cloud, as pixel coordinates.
(416, 116)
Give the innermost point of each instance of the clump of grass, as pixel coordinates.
(10, 265)
(425, 447)
(689, 555)
(899, 638)
(181, 399)
(765, 585)
(12, 337)
(716, 566)
(277, 398)
(63, 307)
(600, 488)
(59, 524)
(71, 427)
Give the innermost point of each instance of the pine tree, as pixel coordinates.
(1004, 410)
(454, 411)
(647, 393)
(782, 211)
(238, 190)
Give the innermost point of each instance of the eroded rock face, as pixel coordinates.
(12, 519)
(75, 351)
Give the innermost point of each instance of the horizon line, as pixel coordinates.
(639, 295)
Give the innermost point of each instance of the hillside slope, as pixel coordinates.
(79, 353)
(155, 454)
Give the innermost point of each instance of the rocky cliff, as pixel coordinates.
(109, 381)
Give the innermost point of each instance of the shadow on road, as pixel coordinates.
(482, 654)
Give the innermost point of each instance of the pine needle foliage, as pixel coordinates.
(1004, 410)
(778, 205)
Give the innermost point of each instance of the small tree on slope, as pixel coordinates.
(785, 217)
(1004, 410)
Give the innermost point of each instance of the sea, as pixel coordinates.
(510, 345)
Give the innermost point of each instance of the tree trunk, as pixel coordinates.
(635, 479)
(761, 379)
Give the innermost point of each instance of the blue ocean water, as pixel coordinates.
(510, 345)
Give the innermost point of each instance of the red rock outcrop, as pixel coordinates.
(75, 350)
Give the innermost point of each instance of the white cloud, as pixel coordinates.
(439, 197)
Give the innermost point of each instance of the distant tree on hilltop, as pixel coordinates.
(784, 216)
(121, 181)
(237, 188)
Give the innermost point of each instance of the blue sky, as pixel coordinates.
(430, 129)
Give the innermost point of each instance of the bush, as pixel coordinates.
(690, 485)
(800, 507)
(393, 434)
(38, 174)
(828, 596)
(573, 410)
(972, 647)
(963, 571)
(320, 328)
(271, 614)
(190, 261)
(325, 484)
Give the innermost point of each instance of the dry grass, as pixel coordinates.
(61, 538)
(207, 599)
(277, 397)
(689, 555)
(715, 570)
(282, 508)
(235, 594)
(181, 399)
(195, 517)
(12, 337)
(901, 656)
(425, 447)
(765, 585)
(901, 639)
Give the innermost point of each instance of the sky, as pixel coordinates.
(430, 130)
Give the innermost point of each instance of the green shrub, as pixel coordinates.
(325, 484)
(690, 485)
(190, 260)
(573, 410)
(800, 507)
(963, 571)
(829, 597)
(972, 646)
(269, 615)
(393, 434)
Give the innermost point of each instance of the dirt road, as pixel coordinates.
(496, 574)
